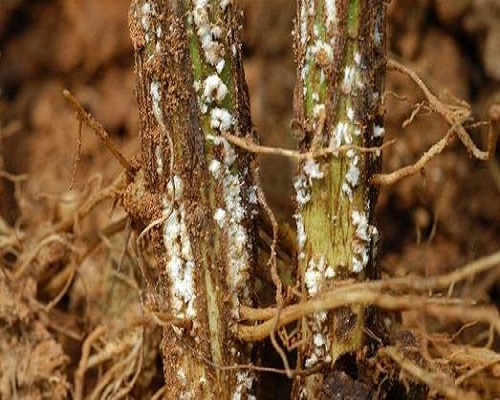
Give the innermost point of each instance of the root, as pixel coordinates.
(454, 115)
(372, 293)
(439, 382)
(251, 147)
(97, 127)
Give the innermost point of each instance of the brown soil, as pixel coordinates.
(65, 274)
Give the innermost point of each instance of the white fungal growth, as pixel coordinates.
(320, 341)
(357, 58)
(312, 169)
(302, 191)
(232, 218)
(350, 113)
(220, 217)
(301, 234)
(377, 32)
(221, 119)
(313, 277)
(145, 20)
(148, 20)
(349, 76)
(341, 135)
(252, 195)
(362, 235)
(181, 374)
(214, 167)
(378, 131)
(303, 23)
(331, 15)
(220, 65)
(214, 89)
(351, 177)
(156, 100)
(159, 161)
(319, 109)
(180, 265)
(244, 383)
(360, 222)
(208, 34)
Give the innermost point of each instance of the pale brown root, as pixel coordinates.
(78, 155)
(435, 381)
(455, 116)
(272, 263)
(160, 393)
(251, 147)
(31, 256)
(410, 283)
(371, 293)
(112, 384)
(393, 177)
(97, 127)
(82, 365)
(331, 300)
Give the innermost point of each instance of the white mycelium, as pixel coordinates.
(244, 383)
(180, 262)
(207, 33)
(232, 218)
(220, 217)
(361, 243)
(312, 169)
(378, 131)
(214, 89)
(221, 119)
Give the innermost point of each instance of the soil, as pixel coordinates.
(72, 281)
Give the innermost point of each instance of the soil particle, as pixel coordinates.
(340, 386)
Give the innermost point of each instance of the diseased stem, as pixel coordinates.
(199, 200)
(340, 51)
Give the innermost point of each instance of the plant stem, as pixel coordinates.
(340, 50)
(190, 90)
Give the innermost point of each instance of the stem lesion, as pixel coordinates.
(334, 196)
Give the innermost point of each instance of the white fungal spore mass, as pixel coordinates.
(220, 217)
(314, 275)
(361, 244)
(207, 33)
(244, 383)
(156, 100)
(214, 89)
(378, 131)
(312, 169)
(221, 119)
(232, 218)
(180, 262)
(331, 15)
(320, 341)
(301, 234)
